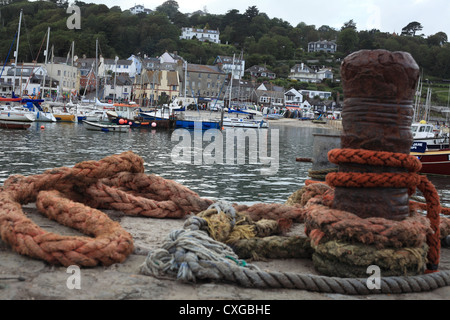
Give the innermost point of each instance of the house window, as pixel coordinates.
(264, 99)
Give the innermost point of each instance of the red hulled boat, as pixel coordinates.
(435, 161)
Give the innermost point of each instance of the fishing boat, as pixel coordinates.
(427, 133)
(97, 126)
(129, 113)
(197, 123)
(434, 161)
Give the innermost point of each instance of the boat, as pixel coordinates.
(129, 113)
(8, 124)
(90, 113)
(96, 115)
(97, 126)
(427, 133)
(12, 99)
(248, 121)
(64, 115)
(16, 113)
(41, 114)
(197, 123)
(164, 113)
(436, 162)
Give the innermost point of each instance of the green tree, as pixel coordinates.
(348, 41)
(169, 7)
(438, 39)
(349, 25)
(251, 12)
(412, 28)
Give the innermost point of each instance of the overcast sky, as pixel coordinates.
(385, 15)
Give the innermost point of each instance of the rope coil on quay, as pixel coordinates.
(72, 196)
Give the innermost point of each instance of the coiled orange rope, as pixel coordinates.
(410, 180)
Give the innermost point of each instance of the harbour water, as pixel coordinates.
(35, 150)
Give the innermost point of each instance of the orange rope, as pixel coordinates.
(411, 180)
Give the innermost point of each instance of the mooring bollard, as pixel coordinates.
(379, 88)
(320, 164)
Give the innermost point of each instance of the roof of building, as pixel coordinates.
(203, 68)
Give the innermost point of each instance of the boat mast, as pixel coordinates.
(96, 67)
(45, 63)
(16, 54)
(231, 83)
(185, 80)
(417, 102)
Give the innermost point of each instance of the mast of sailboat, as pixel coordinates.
(115, 77)
(96, 71)
(45, 63)
(16, 54)
(51, 72)
(185, 80)
(231, 83)
(417, 102)
(73, 49)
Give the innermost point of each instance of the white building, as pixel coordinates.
(25, 80)
(139, 9)
(324, 45)
(303, 73)
(232, 65)
(118, 66)
(312, 94)
(200, 34)
(293, 98)
(118, 88)
(66, 74)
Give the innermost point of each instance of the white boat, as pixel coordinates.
(90, 113)
(42, 115)
(16, 113)
(424, 132)
(96, 116)
(249, 119)
(103, 104)
(244, 123)
(96, 126)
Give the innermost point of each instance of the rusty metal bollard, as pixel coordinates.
(379, 88)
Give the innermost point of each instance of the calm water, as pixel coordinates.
(64, 144)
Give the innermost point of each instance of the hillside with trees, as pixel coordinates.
(262, 40)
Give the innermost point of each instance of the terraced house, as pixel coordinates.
(205, 82)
